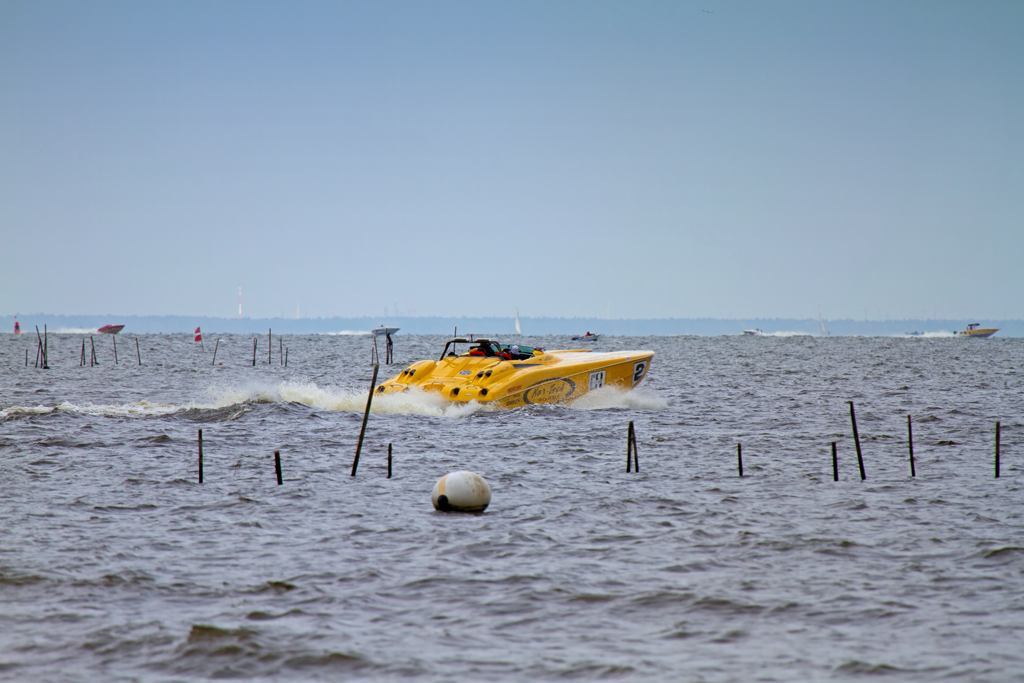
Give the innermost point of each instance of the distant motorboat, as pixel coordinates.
(586, 337)
(110, 329)
(754, 333)
(915, 334)
(975, 330)
(383, 331)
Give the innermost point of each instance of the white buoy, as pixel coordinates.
(461, 492)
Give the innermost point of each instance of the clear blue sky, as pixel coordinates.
(637, 159)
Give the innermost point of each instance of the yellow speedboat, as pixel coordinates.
(514, 376)
(977, 331)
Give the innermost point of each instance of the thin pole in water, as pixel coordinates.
(270, 346)
(280, 350)
(254, 351)
(215, 347)
(277, 467)
(137, 352)
(200, 456)
(739, 457)
(835, 463)
(856, 441)
(910, 444)
(286, 357)
(46, 350)
(92, 346)
(636, 455)
(366, 416)
(389, 461)
(629, 448)
(997, 450)
(113, 338)
(81, 360)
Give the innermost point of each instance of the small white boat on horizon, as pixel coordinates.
(754, 333)
(383, 331)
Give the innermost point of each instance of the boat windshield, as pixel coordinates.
(486, 348)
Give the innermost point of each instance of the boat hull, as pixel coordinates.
(548, 377)
(978, 333)
(110, 329)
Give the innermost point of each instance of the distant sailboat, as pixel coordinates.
(519, 328)
(821, 324)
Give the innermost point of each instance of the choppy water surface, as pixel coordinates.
(115, 564)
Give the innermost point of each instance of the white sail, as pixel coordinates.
(519, 328)
(821, 323)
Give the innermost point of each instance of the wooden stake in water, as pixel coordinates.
(92, 346)
(137, 352)
(631, 448)
(910, 444)
(739, 457)
(200, 456)
(856, 441)
(215, 347)
(835, 463)
(366, 416)
(389, 461)
(81, 361)
(270, 346)
(280, 350)
(254, 351)
(113, 338)
(997, 450)
(286, 357)
(46, 350)
(277, 467)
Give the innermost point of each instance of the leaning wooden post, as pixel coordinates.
(46, 350)
(254, 351)
(270, 346)
(910, 444)
(39, 346)
(137, 352)
(277, 467)
(286, 357)
(200, 456)
(215, 347)
(835, 463)
(366, 415)
(113, 338)
(856, 441)
(629, 448)
(739, 457)
(997, 450)
(389, 461)
(636, 455)
(92, 347)
(81, 360)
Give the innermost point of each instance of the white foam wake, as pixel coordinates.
(412, 402)
(607, 397)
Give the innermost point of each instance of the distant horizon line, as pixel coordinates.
(382, 319)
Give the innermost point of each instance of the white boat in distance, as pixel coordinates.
(382, 331)
(754, 333)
